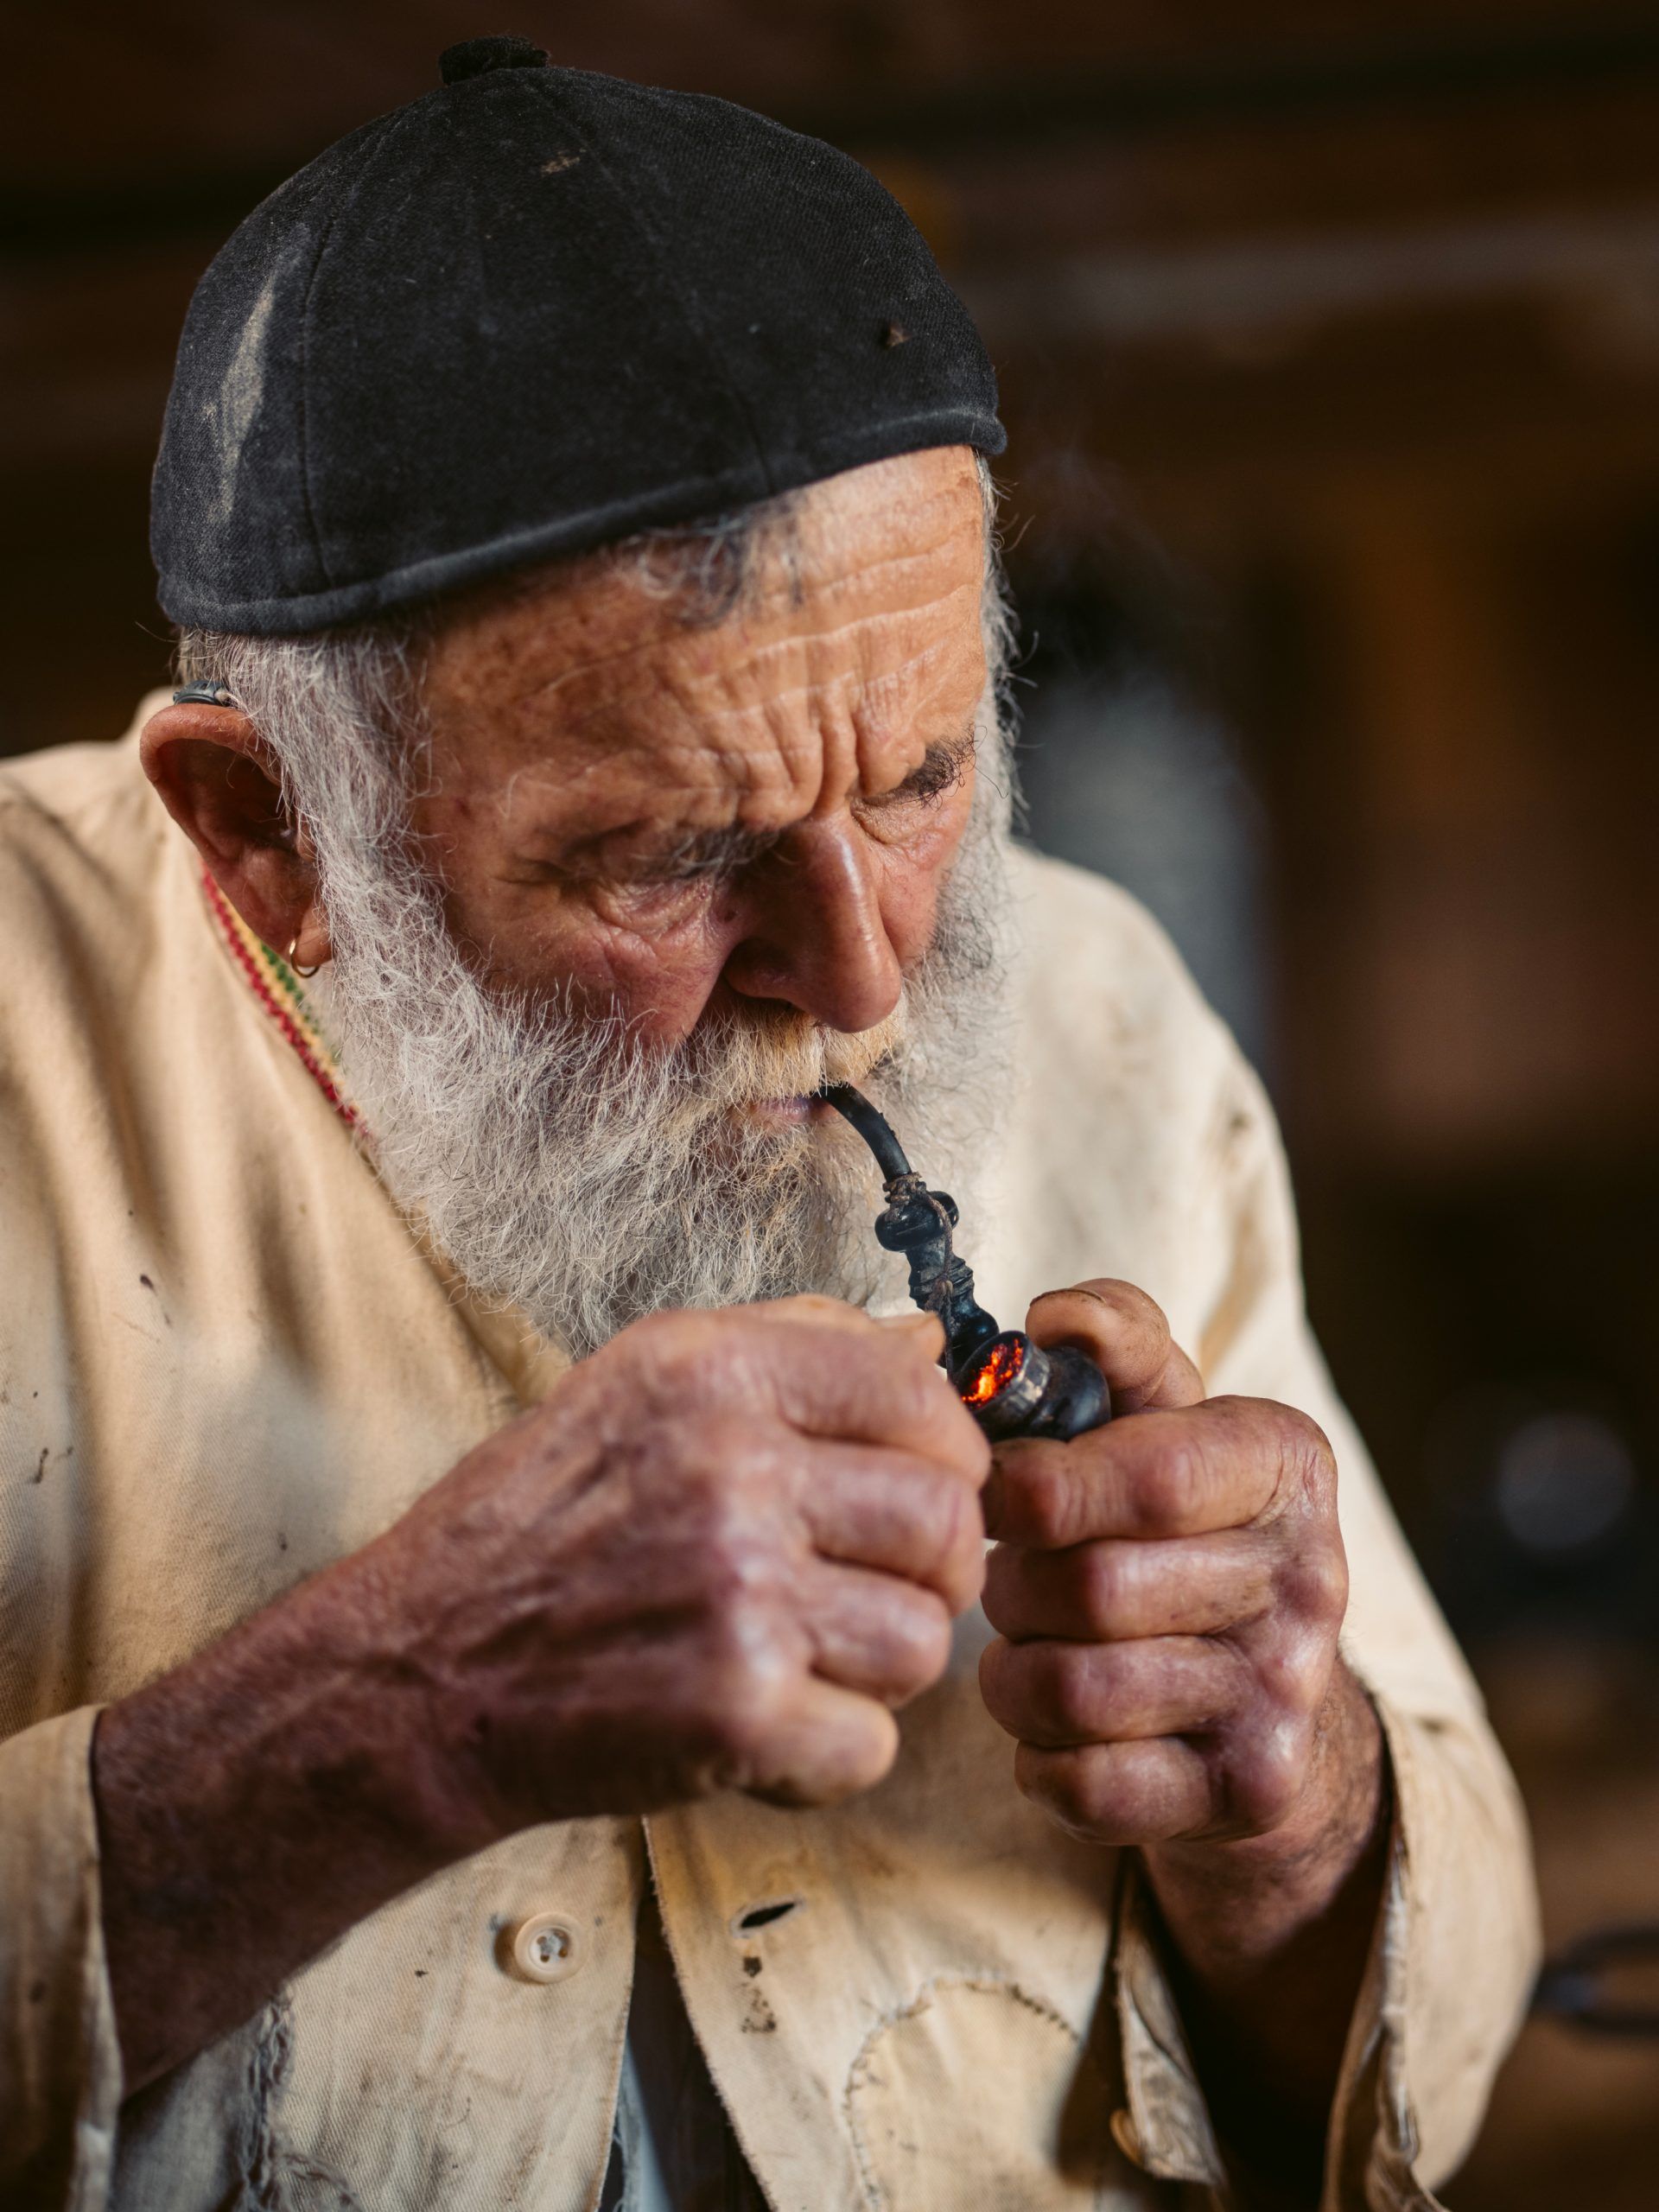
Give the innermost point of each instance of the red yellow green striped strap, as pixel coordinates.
(277, 990)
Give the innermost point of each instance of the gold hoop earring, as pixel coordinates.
(292, 947)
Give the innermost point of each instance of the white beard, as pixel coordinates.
(566, 1168)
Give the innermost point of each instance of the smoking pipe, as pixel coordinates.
(1012, 1386)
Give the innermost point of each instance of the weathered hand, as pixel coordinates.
(717, 1557)
(1168, 1590)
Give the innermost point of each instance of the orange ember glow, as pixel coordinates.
(1000, 1369)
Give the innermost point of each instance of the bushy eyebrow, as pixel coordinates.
(714, 852)
(940, 768)
(727, 851)
(719, 852)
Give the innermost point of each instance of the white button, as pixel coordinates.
(541, 1949)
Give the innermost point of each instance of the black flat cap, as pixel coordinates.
(528, 314)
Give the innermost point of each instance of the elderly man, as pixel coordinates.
(499, 1709)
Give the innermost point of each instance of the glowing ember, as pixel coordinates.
(1003, 1364)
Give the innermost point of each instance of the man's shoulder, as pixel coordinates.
(79, 826)
(72, 790)
(89, 876)
(1100, 976)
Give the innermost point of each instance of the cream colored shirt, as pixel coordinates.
(224, 1361)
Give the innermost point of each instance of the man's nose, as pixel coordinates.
(816, 938)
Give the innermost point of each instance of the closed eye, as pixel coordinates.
(941, 768)
(698, 855)
(704, 854)
(715, 856)
(694, 856)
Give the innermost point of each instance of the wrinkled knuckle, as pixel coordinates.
(997, 1671)
(1263, 1777)
(923, 1648)
(740, 1590)
(1172, 1488)
(735, 1557)
(1309, 1461)
(1106, 1574)
(740, 1578)
(709, 1453)
(1042, 1493)
(728, 1634)
(1058, 1693)
(1299, 1682)
(1318, 1585)
(1060, 1783)
(1290, 1668)
(744, 1700)
(682, 1352)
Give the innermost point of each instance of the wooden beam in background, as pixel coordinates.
(185, 172)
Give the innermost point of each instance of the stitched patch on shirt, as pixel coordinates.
(980, 2093)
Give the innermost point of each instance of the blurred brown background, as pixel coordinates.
(1329, 338)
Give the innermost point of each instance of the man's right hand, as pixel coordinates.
(718, 1556)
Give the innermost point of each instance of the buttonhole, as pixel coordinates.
(762, 1916)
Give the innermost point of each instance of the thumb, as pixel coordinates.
(1126, 1335)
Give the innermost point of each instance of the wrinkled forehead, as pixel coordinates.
(608, 690)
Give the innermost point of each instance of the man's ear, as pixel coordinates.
(219, 784)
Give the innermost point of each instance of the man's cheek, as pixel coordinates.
(657, 972)
(909, 881)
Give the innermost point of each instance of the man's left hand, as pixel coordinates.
(1169, 1590)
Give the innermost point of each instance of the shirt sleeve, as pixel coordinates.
(1456, 1946)
(60, 2057)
